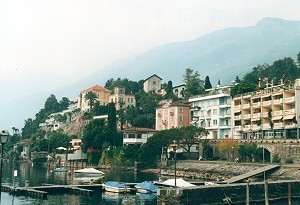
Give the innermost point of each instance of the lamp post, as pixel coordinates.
(3, 139)
(175, 151)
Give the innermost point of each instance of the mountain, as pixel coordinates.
(222, 54)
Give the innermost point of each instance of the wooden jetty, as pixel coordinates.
(41, 192)
(251, 174)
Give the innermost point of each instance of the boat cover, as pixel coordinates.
(147, 185)
(114, 184)
(179, 183)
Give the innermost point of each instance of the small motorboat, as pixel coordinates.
(89, 171)
(116, 187)
(146, 187)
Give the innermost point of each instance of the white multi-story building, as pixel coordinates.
(137, 135)
(179, 90)
(273, 112)
(212, 111)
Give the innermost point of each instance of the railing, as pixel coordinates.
(257, 104)
(247, 116)
(278, 101)
(256, 115)
(237, 107)
(266, 126)
(279, 112)
(266, 103)
(238, 117)
(238, 128)
(289, 112)
(246, 106)
(278, 125)
(289, 100)
(265, 114)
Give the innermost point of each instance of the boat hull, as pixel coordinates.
(116, 189)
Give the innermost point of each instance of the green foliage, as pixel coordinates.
(194, 85)
(131, 86)
(91, 98)
(94, 135)
(169, 90)
(289, 161)
(242, 87)
(112, 124)
(247, 151)
(64, 103)
(207, 84)
(276, 158)
(51, 105)
(99, 109)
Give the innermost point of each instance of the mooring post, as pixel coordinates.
(266, 193)
(289, 194)
(247, 193)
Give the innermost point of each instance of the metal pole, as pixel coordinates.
(175, 168)
(1, 170)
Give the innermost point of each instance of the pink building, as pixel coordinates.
(172, 115)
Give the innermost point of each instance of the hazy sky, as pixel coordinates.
(46, 45)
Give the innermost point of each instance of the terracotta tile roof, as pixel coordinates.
(96, 87)
(139, 129)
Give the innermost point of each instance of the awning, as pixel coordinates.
(277, 118)
(289, 117)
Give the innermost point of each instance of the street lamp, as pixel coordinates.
(3, 139)
(175, 151)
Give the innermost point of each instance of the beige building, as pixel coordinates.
(153, 83)
(269, 113)
(172, 115)
(121, 99)
(101, 93)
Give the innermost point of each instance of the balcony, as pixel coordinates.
(278, 125)
(134, 141)
(225, 105)
(278, 101)
(224, 126)
(238, 128)
(257, 104)
(237, 107)
(265, 114)
(289, 125)
(255, 127)
(246, 128)
(266, 126)
(289, 112)
(246, 106)
(247, 116)
(276, 113)
(256, 115)
(266, 103)
(289, 100)
(238, 117)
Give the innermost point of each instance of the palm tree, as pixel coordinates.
(91, 97)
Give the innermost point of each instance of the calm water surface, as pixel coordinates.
(38, 175)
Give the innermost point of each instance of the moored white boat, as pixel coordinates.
(116, 187)
(89, 171)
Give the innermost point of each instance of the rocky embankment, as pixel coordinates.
(76, 126)
(222, 170)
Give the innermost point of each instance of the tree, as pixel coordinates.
(298, 59)
(243, 87)
(207, 84)
(228, 147)
(112, 124)
(248, 151)
(169, 90)
(51, 105)
(64, 103)
(29, 128)
(94, 135)
(186, 137)
(194, 86)
(90, 97)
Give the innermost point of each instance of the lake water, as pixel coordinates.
(37, 175)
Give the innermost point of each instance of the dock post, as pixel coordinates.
(266, 193)
(289, 194)
(247, 193)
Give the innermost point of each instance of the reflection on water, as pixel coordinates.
(38, 175)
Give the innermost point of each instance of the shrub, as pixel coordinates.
(289, 161)
(276, 158)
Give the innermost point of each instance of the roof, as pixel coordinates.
(96, 87)
(179, 104)
(139, 129)
(182, 85)
(153, 76)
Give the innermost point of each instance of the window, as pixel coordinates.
(139, 136)
(214, 111)
(131, 136)
(215, 122)
(180, 118)
(181, 109)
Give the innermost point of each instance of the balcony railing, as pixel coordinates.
(238, 128)
(247, 116)
(278, 125)
(278, 101)
(289, 100)
(256, 115)
(276, 113)
(237, 107)
(266, 103)
(256, 127)
(245, 106)
(289, 112)
(257, 104)
(238, 117)
(290, 125)
(266, 126)
(265, 114)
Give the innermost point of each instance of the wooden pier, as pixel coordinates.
(41, 192)
(251, 174)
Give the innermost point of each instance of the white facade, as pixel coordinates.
(179, 91)
(153, 83)
(137, 135)
(213, 112)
